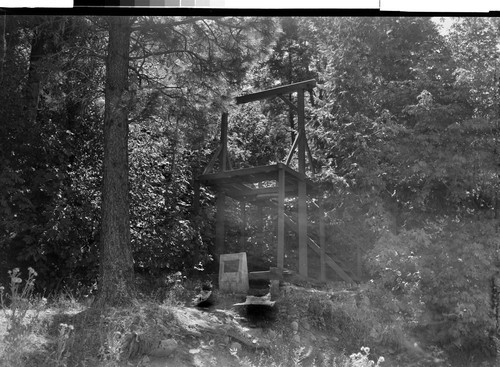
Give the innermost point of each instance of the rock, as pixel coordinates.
(313, 338)
(236, 346)
(296, 338)
(165, 348)
(335, 339)
(272, 334)
(306, 325)
(295, 325)
(194, 351)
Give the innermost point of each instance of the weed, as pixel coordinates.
(20, 300)
(63, 345)
(21, 311)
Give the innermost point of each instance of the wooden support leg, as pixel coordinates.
(281, 219)
(260, 226)
(302, 217)
(322, 240)
(219, 226)
(302, 223)
(243, 225)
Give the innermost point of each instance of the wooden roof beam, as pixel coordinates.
(269, 93)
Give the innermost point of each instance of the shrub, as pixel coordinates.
(438, 277)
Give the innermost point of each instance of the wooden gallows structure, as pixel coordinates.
(281, 183)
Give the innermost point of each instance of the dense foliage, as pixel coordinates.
(403, 128)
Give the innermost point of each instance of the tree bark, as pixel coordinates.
(116, 263)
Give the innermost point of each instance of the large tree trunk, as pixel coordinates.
(116, 263)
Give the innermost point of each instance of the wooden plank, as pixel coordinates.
(292, 150)
(322, 242)
(269, 93)
(259, 275)
(210, 164)
(271, 274)
(302, 190)
(310, 158)
(243, 227)
(301, 133)
(250, 174)
(314, 246)
(247, 192)
(223, 142)
(260, 226)
(336, 267)
(302, 228)
(235, 183)
(281, 219)
(288, 102)
(219, 225)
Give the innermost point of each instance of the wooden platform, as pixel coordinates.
(240, 184)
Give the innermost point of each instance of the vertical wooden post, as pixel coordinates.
(302, 132)
(322, 243)
(281, 219)
(260, 225)
(243, 227)
(302, 215)
(219, 225)
(221, 196)
(223, 142)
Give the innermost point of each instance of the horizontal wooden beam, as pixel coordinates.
(259, 275)
(271, 274)
(252, 174)
(269, 93)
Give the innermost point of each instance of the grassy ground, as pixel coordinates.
(306, 327)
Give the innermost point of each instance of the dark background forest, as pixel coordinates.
(403, 127)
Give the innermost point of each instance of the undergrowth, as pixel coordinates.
(344, 324)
